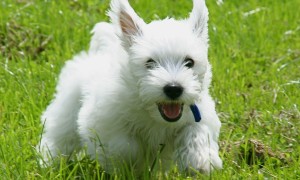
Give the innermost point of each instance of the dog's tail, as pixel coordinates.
(104, 38)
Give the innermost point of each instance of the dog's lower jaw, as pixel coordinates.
(171, 111)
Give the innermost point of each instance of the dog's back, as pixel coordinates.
(104, 38)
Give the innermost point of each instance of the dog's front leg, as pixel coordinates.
(196, 149)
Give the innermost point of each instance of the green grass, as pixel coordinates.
(256, 82)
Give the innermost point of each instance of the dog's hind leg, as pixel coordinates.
(60, 127)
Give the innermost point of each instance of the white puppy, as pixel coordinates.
(140, 89)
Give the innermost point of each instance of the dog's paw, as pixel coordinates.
(197, 151)
(194, 162)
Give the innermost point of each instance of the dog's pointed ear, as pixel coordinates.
(199, 18)
(127, 21)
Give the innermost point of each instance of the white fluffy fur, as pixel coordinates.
(107, 99)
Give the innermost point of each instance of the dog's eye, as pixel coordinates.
(150, 64)
(189, 63)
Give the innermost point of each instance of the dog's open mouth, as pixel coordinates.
(171, 112)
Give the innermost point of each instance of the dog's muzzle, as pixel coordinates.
(171, 112)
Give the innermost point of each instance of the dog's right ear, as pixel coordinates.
(128, 22)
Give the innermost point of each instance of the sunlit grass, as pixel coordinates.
(254, 50)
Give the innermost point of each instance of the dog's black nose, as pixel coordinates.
(173, 91)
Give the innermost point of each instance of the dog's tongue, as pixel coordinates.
(171, 110)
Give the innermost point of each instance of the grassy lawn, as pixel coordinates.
(254, 50)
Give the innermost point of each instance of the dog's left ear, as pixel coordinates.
(199, 18)
(126, 19)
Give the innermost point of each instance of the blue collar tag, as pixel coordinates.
(195, 112)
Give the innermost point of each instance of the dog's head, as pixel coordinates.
(168, 59)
